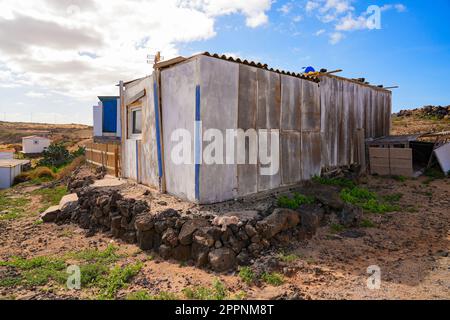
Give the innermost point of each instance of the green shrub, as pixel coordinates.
(295, 202)
(247, 275)
(217, 292)
(55, 155)
(118, 278)
(337, 228)
(274, 279)
(367, 200)
(288, 258)
(366, 223)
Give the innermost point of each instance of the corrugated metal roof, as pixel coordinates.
(172, 62)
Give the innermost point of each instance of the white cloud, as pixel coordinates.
(400, 7)
(297, 19)
(336, 37)
(286, 8)
(320, 32)
(311, 6)
(81, 48)
(349, 23)
(34, 94)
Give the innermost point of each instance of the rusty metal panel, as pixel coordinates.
(269, 100)
(291, 157)
(247, 174)
(311, 155)
(269, 182)
(247, 97)
(291, 89)
(310, 107)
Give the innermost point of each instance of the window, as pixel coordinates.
(35, 142)
(137, 121)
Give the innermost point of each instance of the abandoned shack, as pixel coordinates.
(322, 122)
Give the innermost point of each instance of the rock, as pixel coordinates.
(203, 237)
(328, 196)
(144, 222)
(311, 217)
(170, 237)
(116, 222)
(68, 201)
(255, 248)
(145, 239)
(250, 230)
(350, 215)
(129, 237)
(352, 234)
(279, 220)
(185, 235)
(235, 244)
(235, 219)
(199, 254)
(165, 252)
(222, 259)
(182, 253)
(51, 214)
(243, 259)
(218, 244)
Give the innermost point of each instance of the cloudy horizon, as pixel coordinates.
(57, 56)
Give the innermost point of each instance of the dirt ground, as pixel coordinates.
(410, 247)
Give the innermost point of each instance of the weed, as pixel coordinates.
(399, 178)
(50, 196)
(107, 256)
(217, 292)
(340, 182)
(92, 274)
(274, 279)
(117, 278)
(139, 295)
(247, 275)
(366, 223)
(288, 258)
(12, 206)
(396, 197)
(38, 222)
(337, 228)
(295, 202)
(367, 200)
(36, 271)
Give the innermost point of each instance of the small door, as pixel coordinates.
(110, 116)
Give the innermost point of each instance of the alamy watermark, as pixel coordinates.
(227, 147)
(374, 280)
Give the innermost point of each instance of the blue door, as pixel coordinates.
(110, 116)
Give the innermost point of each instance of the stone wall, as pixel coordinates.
(218, 242)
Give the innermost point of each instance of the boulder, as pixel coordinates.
(279, 220)
(311, 217)
(328, 196)
(129, 237)
(235, 219)
(145, 239)
(182, 253)
(51, 214)
(165, 252)
(68, 201)
(250, 230)
(222, 259)
(243, 258)
(170, 238)
(350, 215)
(144, 222)
(188, 229)
(199, 254)
(203, 237)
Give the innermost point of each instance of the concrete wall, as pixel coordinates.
(6, 155)
(98, 120)
(34, 145)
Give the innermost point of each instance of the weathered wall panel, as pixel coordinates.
(291, 95)
(311, 155)
(310, 106)
(291, 144)
(269, 100)
(178, 112)
(219, 81)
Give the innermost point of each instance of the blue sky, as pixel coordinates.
(54, 80)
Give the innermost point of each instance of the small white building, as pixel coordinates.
(9, 169)
(7, 154)
(34, 144)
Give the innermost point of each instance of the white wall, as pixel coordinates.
(35, 145)
(7, 176)
(6, 155)
(98, 120)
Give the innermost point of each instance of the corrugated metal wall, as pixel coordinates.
(317, 125)
(347, 106)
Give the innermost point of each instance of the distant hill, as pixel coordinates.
(11, 133)
(421, 120)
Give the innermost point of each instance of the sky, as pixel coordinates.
(57, 56)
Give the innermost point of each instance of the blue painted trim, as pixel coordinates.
(197, 142)
(158, 132)
(137, 161)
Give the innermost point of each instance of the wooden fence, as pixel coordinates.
(391, 161)
(104, 155)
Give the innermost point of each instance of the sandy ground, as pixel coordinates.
(410, 247)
